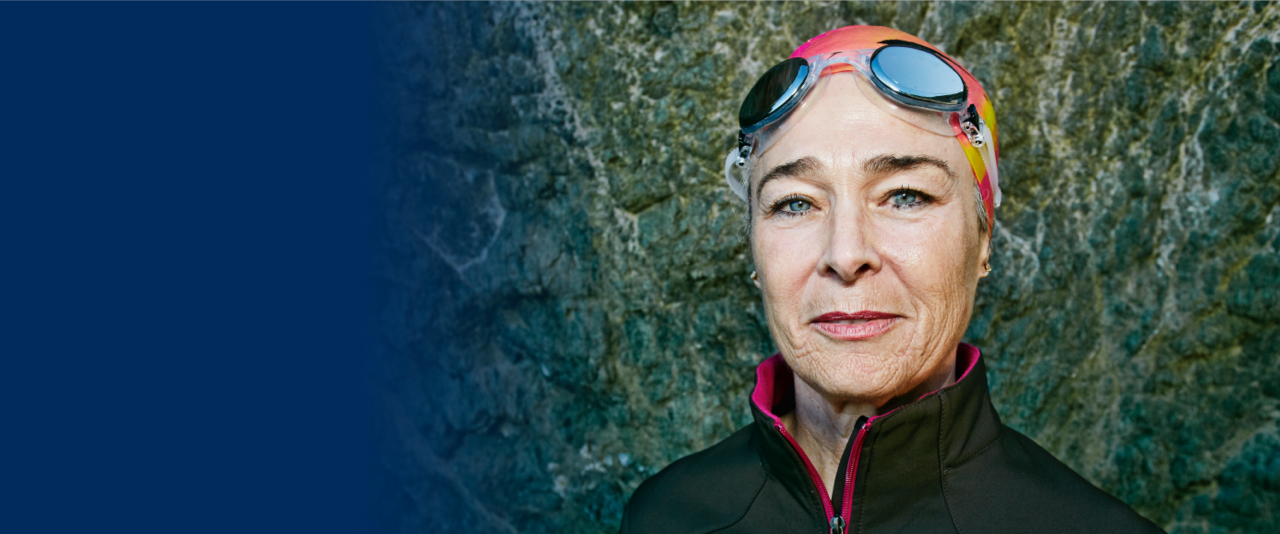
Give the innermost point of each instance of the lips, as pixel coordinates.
(854, 326)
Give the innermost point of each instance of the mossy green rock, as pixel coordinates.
(567, 306)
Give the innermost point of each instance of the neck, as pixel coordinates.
(823, 425)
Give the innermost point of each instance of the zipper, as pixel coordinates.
(846, 507)
(837, 523)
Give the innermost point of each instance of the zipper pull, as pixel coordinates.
(837, 525)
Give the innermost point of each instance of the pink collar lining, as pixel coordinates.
(774, 385)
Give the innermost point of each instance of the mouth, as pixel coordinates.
(854, 326)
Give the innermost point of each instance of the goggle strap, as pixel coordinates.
(732, 162)
(972, 126)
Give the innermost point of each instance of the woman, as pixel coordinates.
(867, 162)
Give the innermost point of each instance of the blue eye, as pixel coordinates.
(903, 198)
(799, 205)
(907, 198)
(792, 206)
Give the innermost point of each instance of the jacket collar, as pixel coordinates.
(905, 450)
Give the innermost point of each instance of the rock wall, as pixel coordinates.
(565, 288)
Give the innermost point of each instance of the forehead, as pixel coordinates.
(842, 129)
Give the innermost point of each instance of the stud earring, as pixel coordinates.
(754, 277)
(987, 266)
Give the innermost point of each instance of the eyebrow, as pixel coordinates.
(877, 166)
(888, 164)
(791, 169)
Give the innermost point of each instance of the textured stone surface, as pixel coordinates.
(567, 308)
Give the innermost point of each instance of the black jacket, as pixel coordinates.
(944, 463)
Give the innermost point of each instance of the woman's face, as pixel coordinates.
(866, 242)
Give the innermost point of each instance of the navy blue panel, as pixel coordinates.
(184, 318)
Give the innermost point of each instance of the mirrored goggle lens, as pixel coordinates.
(922, 77)
(773, 91)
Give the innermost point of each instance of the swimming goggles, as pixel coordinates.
(906, 80)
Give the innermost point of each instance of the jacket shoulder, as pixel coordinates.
(1014, 485)
(702, 492)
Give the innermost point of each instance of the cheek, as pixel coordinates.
(933, 261)
(785, 260)
(785, 255)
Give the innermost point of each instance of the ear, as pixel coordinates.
(984, 253)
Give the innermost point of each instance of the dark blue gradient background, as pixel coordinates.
(185, 324)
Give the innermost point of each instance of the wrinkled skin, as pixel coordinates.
(861, 228)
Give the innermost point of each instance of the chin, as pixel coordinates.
(850, 375)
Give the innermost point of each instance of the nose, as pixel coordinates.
(851, 251)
